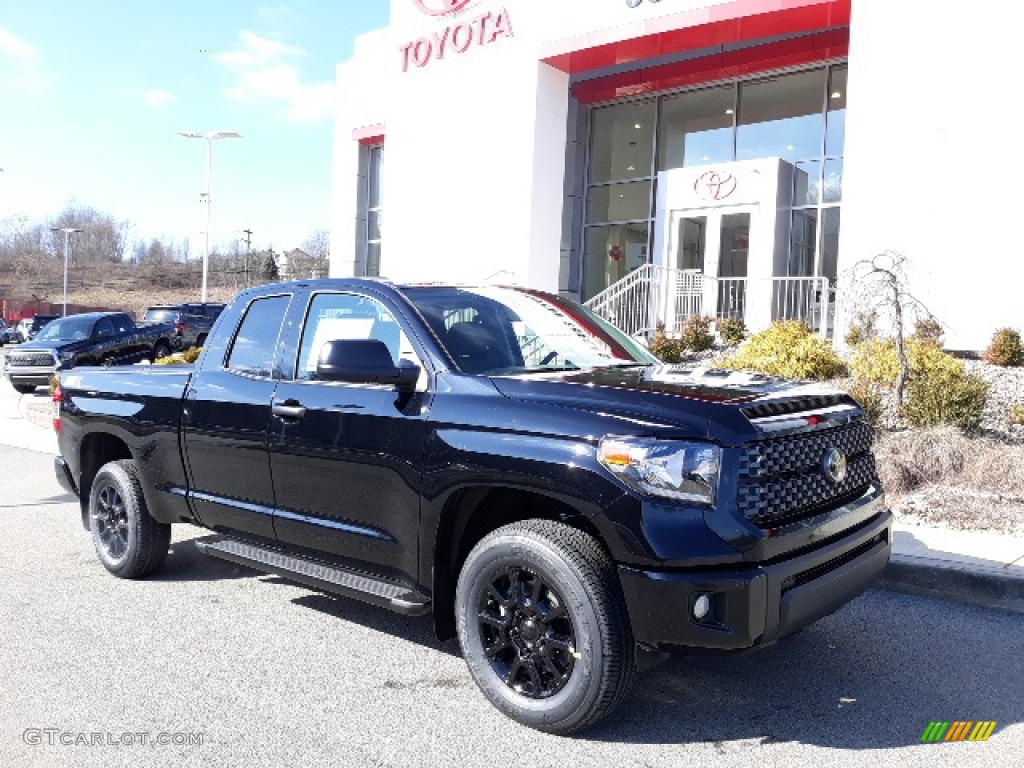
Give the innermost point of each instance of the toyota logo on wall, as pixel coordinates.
(714, 185)
(440, 7)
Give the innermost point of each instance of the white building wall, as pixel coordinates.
(475, 142)
(933, 162)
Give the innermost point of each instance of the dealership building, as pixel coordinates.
(660, 159)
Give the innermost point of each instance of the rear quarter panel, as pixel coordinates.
(141, 407)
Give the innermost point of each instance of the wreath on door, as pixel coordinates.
(615, 253)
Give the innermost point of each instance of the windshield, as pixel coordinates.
(507, 331)
(161, 316)
(67, 329)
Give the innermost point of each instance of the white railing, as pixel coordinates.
(630, 304)
(652, 295)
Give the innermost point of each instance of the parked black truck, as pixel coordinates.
(501, 458)
(91, 338)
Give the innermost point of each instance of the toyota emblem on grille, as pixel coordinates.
(834, 465)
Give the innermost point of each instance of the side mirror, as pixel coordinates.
(364, 362)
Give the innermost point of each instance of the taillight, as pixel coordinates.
(179, 328)
(58, 398)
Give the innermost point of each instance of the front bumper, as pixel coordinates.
(759, 604)
(36, 375)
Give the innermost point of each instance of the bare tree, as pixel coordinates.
(318, 248)
(878, 286)
(103, 239)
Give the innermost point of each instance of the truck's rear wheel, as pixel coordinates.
(129, 542)
(161, 349)
(543, 626)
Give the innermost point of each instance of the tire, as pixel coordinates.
(128, 541)
(572, 629)
(160, 349)
(24, 389)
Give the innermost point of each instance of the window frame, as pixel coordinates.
(275, 369)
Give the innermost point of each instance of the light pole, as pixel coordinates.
(68, 231)
(209, 136)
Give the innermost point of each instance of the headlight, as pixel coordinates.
(675, 470)
(66, 356)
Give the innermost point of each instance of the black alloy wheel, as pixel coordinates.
(543, 625)
(527, 633)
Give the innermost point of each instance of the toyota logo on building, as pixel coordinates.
(834, 465)
(440, 7)
(713, 185)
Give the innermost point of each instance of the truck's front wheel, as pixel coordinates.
(543, 626)
(129, 542)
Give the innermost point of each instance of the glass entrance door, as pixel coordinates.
(713, 243)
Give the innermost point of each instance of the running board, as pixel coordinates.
(320, 576)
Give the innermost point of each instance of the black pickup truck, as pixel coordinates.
(499, 457)
(192, 322)
(91, 338)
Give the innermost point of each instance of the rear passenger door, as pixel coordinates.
(346, 462)
(226, 420)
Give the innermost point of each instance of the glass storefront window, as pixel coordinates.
(374, 209)
(802, 242)
(696, 128)
(619, 202)
(612, 252)
(781, 117)
(835, 125)
(806, 183)
(832, 189)
(622, 142)
(830, 244)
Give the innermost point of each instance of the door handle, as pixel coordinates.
(290, 410)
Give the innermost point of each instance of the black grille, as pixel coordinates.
(30, 360)
(799, 453)
(820, 570)
(783, 480)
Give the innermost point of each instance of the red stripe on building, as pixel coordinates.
(732, 22)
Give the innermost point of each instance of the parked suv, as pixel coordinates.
(192, 322)
(30, 326)
(8, 334)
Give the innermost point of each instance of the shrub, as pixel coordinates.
(732, 330)
(190, 355)
(788, 348)
(875, 361)
(942, 396)
(666, 349)
(1016, 413)
(871, 399)
(862, 328)
(929, 331)
(696, 334)
(1005, 348)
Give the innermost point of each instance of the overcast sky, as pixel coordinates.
(93, 93)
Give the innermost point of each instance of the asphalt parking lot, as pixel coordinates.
(245, 669)
(234, 668)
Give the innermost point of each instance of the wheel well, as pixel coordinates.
(97, 450)
(470, 516)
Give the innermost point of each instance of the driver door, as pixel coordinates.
(345, 458)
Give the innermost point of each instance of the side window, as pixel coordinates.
(104, 328)
(122, 323)
(255, 344)
(334, 316)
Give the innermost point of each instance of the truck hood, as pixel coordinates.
(728, 406)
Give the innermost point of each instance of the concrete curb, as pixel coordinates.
(1000, 588)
